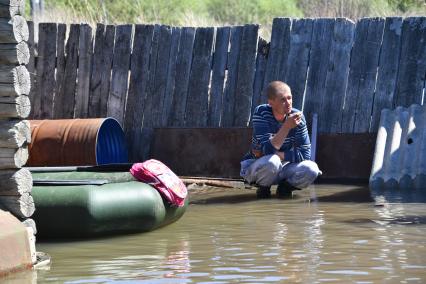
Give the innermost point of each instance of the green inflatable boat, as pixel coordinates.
(76, 202)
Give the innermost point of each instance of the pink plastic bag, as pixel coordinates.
(163, 179)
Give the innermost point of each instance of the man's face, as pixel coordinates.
(282, 103)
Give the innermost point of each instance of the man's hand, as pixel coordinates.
(292, 120)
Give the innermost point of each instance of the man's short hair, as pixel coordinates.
(276, 87)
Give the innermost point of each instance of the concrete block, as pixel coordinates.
(15, 249)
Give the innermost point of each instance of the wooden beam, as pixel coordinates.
(13, 30)
(14, 133)
(14, 80)
(21, 206)
(15, 182)
(10, 8)
(15, 107)
(17, 54)
(13, 158)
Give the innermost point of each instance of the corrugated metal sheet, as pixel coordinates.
(400, 156)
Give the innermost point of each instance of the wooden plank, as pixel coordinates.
(298, 58)
(362, 75)
(84, 71)
(388, 69)
(171, 76)
(101, 70)
(220, 56)
(14, 133)
(120, 72)
(160, 76)
(60, 70)
(198, 91)
(148, 119)
(139, 75)
(183, 69)
(322, 36)
(43, 104)
(412, 62)
(337, 76)
(15, 182)
(228, 100)
(278, 51)
(64, 108)
(245, 80)
(259, 77)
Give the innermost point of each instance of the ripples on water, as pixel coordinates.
(319, 236)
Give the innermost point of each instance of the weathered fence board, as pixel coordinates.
(412, 63)
(66, 96)
(137, 87)
(362, 75)
(148, 120)
(171, 75)
(298, 58)
(278, 51)
(220, 57)
(245, 79)
(43, 101)
(388, 69)
(228, 100)
(101, 70)
(148, 117)
(120, 72)
(337, 76)
(261, 61)
(322, 37)
(160, 75)
(60, 70)
(84, 71)
(198, 90)
(186, 46)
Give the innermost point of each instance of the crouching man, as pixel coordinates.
(280, 150)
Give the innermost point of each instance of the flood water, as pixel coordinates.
(324, 234)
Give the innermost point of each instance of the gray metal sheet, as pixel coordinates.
(400, 154)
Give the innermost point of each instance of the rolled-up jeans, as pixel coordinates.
(269, 170)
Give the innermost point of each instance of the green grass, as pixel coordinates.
(219, 12)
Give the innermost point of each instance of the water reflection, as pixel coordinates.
(301, 240)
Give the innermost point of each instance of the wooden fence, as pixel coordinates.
(149, 76)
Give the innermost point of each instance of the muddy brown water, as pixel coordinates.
(324, 234)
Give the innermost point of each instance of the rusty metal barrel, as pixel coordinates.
(76, 142)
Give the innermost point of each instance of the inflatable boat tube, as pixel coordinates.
(89, 204)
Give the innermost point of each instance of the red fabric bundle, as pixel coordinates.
(163, 179)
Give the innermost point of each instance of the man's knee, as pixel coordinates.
(304, 174)
(268, 170)
(310, 169)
